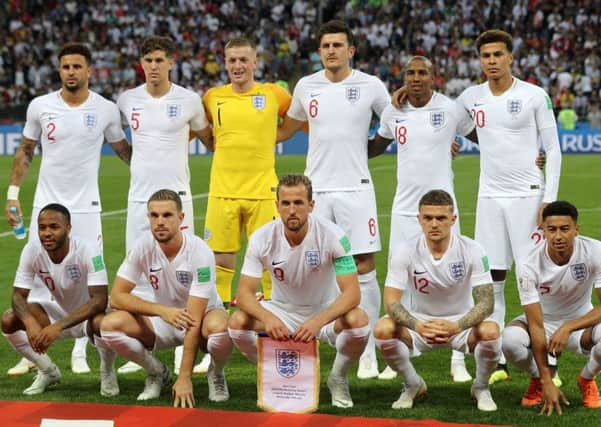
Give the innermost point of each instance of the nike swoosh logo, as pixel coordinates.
(277, 262)
(44, 272)
(415, 272)
(137, 108)
(400, 120)
(155, 269)
(478, 104)
(220, 103)
(313, 95)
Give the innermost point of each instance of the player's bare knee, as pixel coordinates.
(9, 322)
(114, 321)
(214, 322)
(239, 320)
(94, 324)
(488, 331)
(356, 318)
(384, 329)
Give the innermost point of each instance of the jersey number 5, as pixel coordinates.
(135, 121)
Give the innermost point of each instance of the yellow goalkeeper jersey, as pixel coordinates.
(244, 130)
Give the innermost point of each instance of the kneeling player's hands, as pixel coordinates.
(276, 329)
(438, 331)
(178, 317)
(558, 341)
(183, 393)
(552, 399)
(307, 331)
(47, 336)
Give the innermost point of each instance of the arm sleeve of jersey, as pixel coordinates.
(296, 110)
(96, 269)
(25, 272)
(121, 107)
(543, 111)
(199, 119)
(205, 101)
(252, 266)
(283, 99)
(398, 269)
(385, 131)
(203, 282)
(553, 166)
(131, 267)
(480, 267)
(114, 130)
(382, 99)
(597, 270)
(465, 124)
(527, 286)
(32, 129)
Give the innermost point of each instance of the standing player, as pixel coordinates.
(315, 292)
(439, 266)
(424, 129)
(181, 270)
(245, 116)
(160, 115)
(555, 283)
(511, 116)
(71, 124)
(74, 273)
(338, 103)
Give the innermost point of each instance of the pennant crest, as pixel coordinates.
(287, 362)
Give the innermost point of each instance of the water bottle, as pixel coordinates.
(19, 229)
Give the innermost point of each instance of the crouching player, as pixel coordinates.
(441, 270)
(315, 291)
(181, 271)
(75, 275)
(555, 283)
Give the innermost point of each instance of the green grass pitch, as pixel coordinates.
(446, 401)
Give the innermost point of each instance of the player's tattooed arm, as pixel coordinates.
(400, 315)
(22, 161)
(377, 146)
(123, 150)
(484, 297)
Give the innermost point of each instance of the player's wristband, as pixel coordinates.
(12, 193)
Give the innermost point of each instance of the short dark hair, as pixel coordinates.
(294, 179)
(335, 26)
(166, 195)
(57, 207)
(437, 198)
(427, 62)
(240, 42)
(561, 208)
(153, 43)
(495, 36)
(74, 48)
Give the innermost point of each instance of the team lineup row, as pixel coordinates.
(243, 120)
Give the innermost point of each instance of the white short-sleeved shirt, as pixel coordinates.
(439, 288)
(160, 129)
(564, 291)
(302, 276)
(71, 140)
(339, 115)
(190, 273)
(68, 281)
(423, 137)
(508, 128)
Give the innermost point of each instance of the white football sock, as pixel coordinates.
(21, 344)
(487, 355)
(79, 347)
(107, 354)
(219, 346)
(593, 366)
(516, 346)
(132, 349)
(396, 354)
(371, 298)
(350, 343)
(246, 343)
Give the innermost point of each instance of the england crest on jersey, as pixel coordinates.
(73, 272)
(514, 106)
(258, 101)
(457, 270)
(174, 111)
(353, 94)
(313, 258)
(287, 362)
(437, 119)
(184, 277)
(578, 271)
(90, 120)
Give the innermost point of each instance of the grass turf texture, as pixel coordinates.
(445, 401)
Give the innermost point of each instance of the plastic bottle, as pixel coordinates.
(19, 229)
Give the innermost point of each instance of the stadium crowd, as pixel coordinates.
(556, 43)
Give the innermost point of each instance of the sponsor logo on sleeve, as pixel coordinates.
(203, 274)
(98, 263)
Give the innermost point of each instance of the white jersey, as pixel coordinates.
(191, 272)
(160, 131)
(68, 281)
(302, 276)
(564, 291)
(339, 115)
(439, 288)
(508, 128)
(71, 140)
(423, 137)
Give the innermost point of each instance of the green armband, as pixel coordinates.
(345, 265)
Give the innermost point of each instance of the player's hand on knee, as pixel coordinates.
(276, 329)
(558, 341)
(178, 318)
(47, 336)
(183, 393)
(307, 331)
